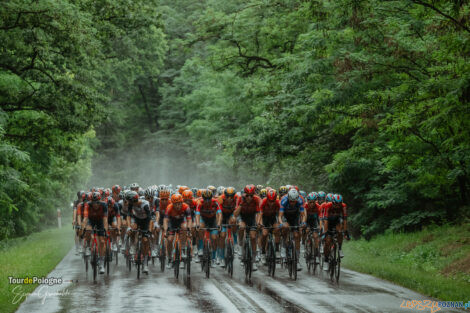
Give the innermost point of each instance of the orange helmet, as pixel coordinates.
(164, 194)
(176, 198)
(199, 193)
(187, 195)
(182, 188)
(229, 192)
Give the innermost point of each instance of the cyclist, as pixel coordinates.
(248, 206)
(228, 203)
(139, 219)
(311, 218)
(269, 211)
(78, 220)
(192, 203)
(208, 215)
(149, 196)
(160, 207)
(213, 190)
(262, 193)
(335, 217)
(96, 216)
(177, 217)
(114, 218)
(289, 215)
(283, 190)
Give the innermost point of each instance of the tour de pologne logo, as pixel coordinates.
(42, 291)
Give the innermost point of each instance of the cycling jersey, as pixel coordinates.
(287, 208)
(81, 208)
(141, 210)
(173, 214)
(310, 210)
(192, 206)
(113, 209)
(249, 208)
(330, 210)
(227, 205)
(270, 208)
(208, 209)
(100, 212)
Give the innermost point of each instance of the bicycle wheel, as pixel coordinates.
(116, 256)
(338, 266)
(308, 253)
(107, 259)
(332, 261)
(248, 260)
(86, 263)
(294, 264)
(176, 260)
(139, 258)
(162, 256)
(94, 263)
(289, 258)
(188, 261)
(208, 260)
(229, 258)
(315, 263)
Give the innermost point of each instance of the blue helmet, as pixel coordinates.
(337, 198)
(321, 195)
(312, 196)
(329, 197)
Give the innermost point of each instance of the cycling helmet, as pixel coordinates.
(107, 192)
(303, 193)
(164, 194)
(312, 196)
(283, 190)
(187, 195)
(181, 189)
(148, 193)
(329, 197)
(116, 189)
(321, 195)
(89, 195)
(220, 190)
(176, 198)
(96, 196)
(262, 193)
(259, 188)
(271, 195)
(122, 195)
(337, 198)
(194, 190)
(141, 193)
(229, 192)
(250, 189)
(207, 194)
(199, 193)
(134, 187)
(132, 196)
(293, 195)
(212, 188)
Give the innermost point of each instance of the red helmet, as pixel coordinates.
(250, 189)
(176, 198)
(116, 189)
(271, 195)
(164, 194)
(107, 192)
(187, 195)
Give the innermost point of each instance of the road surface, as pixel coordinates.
(161, 292)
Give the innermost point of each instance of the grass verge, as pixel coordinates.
(33, 255)
(434, 262)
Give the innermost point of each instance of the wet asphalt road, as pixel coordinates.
(161, 292)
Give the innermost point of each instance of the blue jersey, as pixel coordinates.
(287, 208)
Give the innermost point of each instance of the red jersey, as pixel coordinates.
(81, 208)
(331, 210)
(96, 213)
(270, 208)
(208, 209)
(172, 213)
(192, 205)
(163, 204)
(249, 208)
(316, 209)
(227, 205)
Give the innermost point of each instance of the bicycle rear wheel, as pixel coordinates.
(332, 262)
(338, 266)
(94, 263)
(107, 259)
(162, 257)
(248, 260)
(229, 258)
(289, 256)
(176, 261)
(208, 259)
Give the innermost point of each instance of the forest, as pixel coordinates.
(369, 99)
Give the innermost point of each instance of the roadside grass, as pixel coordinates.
(434, 261)
(33, 255)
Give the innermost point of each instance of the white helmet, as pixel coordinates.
(293, 195)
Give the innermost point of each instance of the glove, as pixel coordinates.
(128, 230)
(303, 224)
(197, 227)
(219, 228)
(280, 225)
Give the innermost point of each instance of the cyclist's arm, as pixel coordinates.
(105, 216)
(198, 214)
